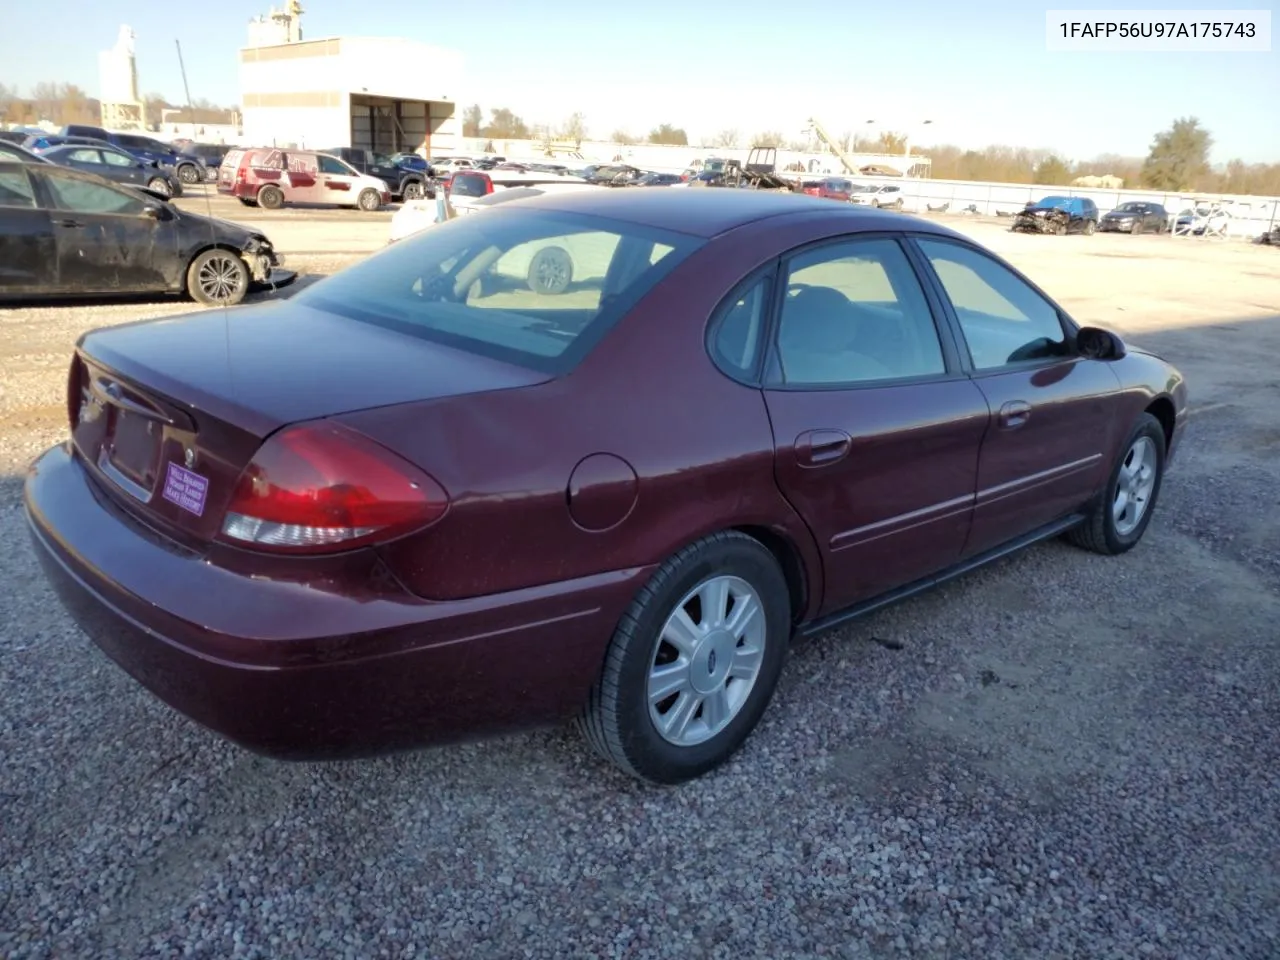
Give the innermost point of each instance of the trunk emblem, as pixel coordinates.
(189, 458)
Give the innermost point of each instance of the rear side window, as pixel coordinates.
(532, 287)
(15, 189)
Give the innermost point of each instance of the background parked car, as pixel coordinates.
(208, 155)
(1136, 217)
(1058, 215)
(112, 164)
(886, 195)
(66, 233)
(404, 183)
(830, 188)
(268, 177)
(187, 169)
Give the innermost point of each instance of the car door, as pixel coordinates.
(337, 180)
(876, 427)
(28, 251)
(105, 238)
(1042, 456)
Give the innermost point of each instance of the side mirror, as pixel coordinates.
(1095, 343)
(152, 212)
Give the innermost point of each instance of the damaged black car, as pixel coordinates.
(1058, 215)
(69, 234)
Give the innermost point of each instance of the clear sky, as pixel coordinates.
(978, 70)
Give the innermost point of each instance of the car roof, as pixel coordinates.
(709, 211)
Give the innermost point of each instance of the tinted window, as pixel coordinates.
(15, 189)
(468, 185)
(854, 312)
(85, 196)
(532, 287)
(1004, 320)
(737, 333)
(332, 165)
(82, 156)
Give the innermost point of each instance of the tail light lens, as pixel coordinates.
(321, 487)
(75, 391)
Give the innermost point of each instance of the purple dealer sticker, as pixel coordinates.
(186, 489)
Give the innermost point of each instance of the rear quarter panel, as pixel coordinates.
(700, 446)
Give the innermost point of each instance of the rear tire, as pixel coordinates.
(1119, 518)
(718, 668)
(271, 198)
(218, 278)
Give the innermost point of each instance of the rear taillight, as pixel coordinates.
(75, 391)
(321, 487)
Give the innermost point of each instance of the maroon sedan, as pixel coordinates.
(595, 455)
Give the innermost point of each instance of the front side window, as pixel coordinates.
(537, 288)
(1005, 321)
(333, 166)
(85, 196)
(854, 312)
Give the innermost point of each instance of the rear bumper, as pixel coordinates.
(290, 669)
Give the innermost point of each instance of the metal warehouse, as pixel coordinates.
(384, 94)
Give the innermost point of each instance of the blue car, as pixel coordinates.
(186, 168)
(1058, 215)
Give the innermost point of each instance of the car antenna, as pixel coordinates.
(208, 204)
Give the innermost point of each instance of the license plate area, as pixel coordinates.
(130, 454)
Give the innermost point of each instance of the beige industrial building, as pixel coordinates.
(384, 94)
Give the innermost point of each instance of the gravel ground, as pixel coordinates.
(1061, 756)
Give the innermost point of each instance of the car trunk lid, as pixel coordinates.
(168, 413)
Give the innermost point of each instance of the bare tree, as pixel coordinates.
(622, 137)
(504, 125)
(770, 138)
(575, 128)
(472, 120)
(725, 138)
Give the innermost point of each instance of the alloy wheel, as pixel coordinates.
(706, 660)
(1134, 485)
(219, 277)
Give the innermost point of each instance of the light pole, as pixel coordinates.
(906, 146)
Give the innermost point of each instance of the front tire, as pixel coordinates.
(218, 278)
(160, 185)
(1120, 517)
(1089, 227)
(411, 191)
(188, 174)
(693, 663)
(369, 200)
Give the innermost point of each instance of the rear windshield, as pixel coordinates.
(533, 287)
(468, 185)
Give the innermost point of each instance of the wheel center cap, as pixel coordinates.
(712, 661)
